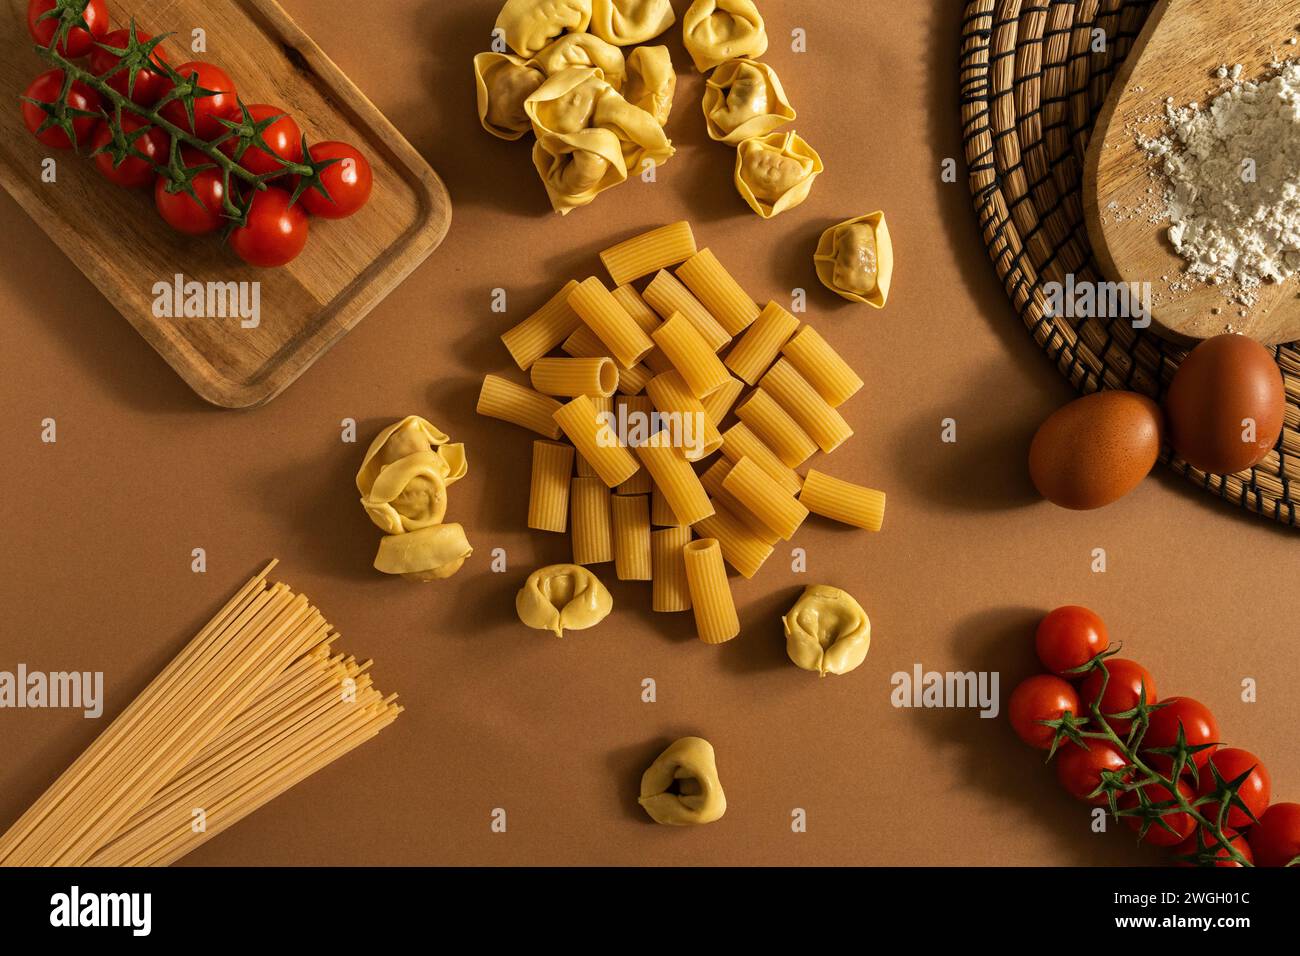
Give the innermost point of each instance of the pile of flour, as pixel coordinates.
(1233, 180)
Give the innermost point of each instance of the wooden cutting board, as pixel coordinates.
(1182, 44)
(117, 239)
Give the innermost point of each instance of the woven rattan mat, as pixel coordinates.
(1031, 89)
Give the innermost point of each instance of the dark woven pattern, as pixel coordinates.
(1031, 89)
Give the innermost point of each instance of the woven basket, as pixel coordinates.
(1031, 89)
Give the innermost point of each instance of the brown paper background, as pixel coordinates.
(97, 529)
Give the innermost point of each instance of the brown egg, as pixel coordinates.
(1226, 405)
(1096, 449)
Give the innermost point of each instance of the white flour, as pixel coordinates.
(1233, 180)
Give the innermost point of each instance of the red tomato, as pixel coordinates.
(283, 136)
(208, 110)
(1275, 840)
(1041, 697)
(1079, 770)
(1255, 792)
(1122, 691)
(180, 211)
(348, 181)
(46, 88)
(275, 234)
(1182, 823)
(1200, 841)
(78, 42)
(150, 85)
(1069, 637)
(133, 173)
(1199, 727)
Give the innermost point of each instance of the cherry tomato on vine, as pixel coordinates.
(284, 137)
(133, 173)
(1182, 823)
(1199, 727)
(1255, 791)
(47, 88)
(150, 85)
(1041, 697)
(180, 210)
(1123, 691)
(208, 110)
(276, 232)
(1069, 637)
(78, 42)
(1200, 841)
(1275, 840)
(348, 181)
(1079, 770)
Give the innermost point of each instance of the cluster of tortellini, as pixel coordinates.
(403, 483)
(598, 116)
(745, 105)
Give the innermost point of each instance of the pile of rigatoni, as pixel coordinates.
(656, 354)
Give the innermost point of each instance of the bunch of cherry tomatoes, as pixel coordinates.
(275, 228)
(1067, 712)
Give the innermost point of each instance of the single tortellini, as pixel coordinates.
(855, 259)
(651, 81)
(628, 22)
(504, 82)
(744, 98)
(429, 554)
(775, 172)
(827, 631)
(563, 596)
(409, 436)
(529, 25)
(567, 101)
(715, 31)
(578, 167)
(640, 134)
(583, 49)
(681, 788)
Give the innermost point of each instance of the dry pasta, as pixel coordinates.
(741, 547)
(718, 402)
(597, 377)
(720, 293)
(593, 535)
(632, 381)
(503, 399)
(685, 414)
(543, 330)
(633, 408)
(548, 493)
(775, 428)
(584, 469)
(649, 252)
(674, 476)
(843, 501)
(822, 366)
(661, 513)
(765, 499)
(814, 414)
(715, 611)
(584, 343)
(596, 441)
(669, 589)
(632, 537)
(648, 319)
(666, 295)
(698, 364)
(761, 343)
(626, 340)
(713, 480)
(739, 442)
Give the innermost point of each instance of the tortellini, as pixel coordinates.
(583, 49)
(429, 554)
(503, 83)
(715, 31)
(651, 81)
(578, 167)
(827, 631)
(855, 259)
(529, 25)
(626, 22)
(681, 788)
(744, 98)
(563, 596)
(775, 173)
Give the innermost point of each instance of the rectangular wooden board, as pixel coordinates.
(117, 239)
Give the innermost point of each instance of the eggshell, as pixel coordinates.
(1096, 449)
(1223, 382)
